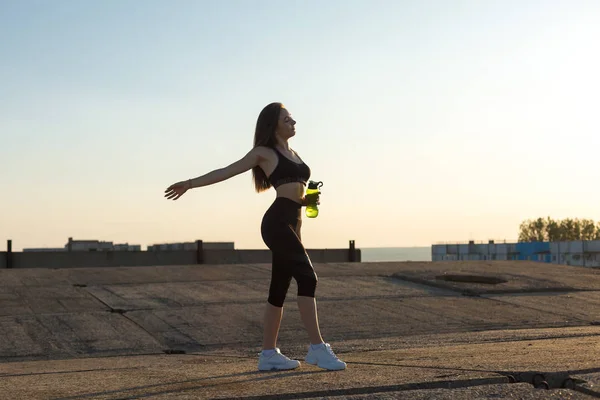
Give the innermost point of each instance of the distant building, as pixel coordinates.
(584, 253)
(127, 247)
(43, 249)
(97, 245)
(191, 246)
(89, 245)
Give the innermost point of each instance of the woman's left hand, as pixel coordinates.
(178, 189)
(305, 200)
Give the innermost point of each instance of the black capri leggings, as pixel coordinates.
(280, 232)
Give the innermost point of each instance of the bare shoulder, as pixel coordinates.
(266, 158)
(263, 153)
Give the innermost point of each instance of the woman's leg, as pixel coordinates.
(280, 283)
(308, 306)
(271, 357)
(272, 321)
(319, 352)
(308, 314)
(290, 260)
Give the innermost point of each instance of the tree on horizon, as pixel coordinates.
(550, 230)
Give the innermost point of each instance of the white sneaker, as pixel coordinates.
(276, 361)
(324, 357)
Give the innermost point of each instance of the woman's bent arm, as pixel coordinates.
(244, 164)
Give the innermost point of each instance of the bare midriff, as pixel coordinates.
(293, 191)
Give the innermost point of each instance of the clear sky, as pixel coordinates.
(426, 120)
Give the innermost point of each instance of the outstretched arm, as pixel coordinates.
(245, 163)
(250, 160)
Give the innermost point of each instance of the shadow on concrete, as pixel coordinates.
(68, 372)
(488, 280)
(454, 384)
(262, 377)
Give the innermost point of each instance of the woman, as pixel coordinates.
(274, 163)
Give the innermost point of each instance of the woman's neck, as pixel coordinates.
(282, 144)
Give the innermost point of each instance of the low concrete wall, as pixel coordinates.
(82, 259)
(264, 256)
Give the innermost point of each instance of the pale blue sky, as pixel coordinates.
(426, 120)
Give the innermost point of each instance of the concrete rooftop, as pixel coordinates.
(409, 330)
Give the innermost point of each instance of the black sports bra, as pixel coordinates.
(288, 171)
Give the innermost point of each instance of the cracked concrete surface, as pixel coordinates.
(404, 330)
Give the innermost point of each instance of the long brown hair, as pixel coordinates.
(264, 135)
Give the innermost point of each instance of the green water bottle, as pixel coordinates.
(312, 192)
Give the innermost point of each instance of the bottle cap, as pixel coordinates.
(314, 185)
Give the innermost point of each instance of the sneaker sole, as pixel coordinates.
(311, 362)
(277, 368)
(331, 369)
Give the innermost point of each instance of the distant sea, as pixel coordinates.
(375, 254)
